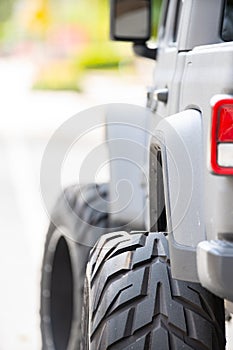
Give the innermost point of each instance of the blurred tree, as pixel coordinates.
(40, 19)
(78, 39)
(6, 8)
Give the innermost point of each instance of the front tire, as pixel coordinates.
(79, 219)
(134, 303)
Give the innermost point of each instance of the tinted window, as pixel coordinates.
(160, 10)
(178, 16)
(227, 27)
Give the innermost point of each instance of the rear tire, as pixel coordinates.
(134, 303)
(79, 219)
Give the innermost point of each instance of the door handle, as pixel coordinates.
(161, 95)
(155, 96)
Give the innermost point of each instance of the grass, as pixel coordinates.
(100, 56)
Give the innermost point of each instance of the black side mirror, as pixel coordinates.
(131, 20)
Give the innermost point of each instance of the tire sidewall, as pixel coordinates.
(73, 248)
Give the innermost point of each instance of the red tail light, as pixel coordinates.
(222, 137)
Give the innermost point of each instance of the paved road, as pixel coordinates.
(27, 121)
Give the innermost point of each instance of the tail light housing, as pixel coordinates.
(222, 137)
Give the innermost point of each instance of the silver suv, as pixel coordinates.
(159, 279)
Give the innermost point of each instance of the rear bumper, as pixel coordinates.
(215, 267)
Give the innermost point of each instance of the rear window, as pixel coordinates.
(227, 27)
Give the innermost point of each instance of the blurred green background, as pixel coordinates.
(65, 37)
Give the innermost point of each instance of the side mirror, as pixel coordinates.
(131, 20)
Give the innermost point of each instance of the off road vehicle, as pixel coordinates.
(160, 272)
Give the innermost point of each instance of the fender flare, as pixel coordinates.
(130, 132)
(180, 140)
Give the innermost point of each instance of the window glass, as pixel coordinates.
(177, 20)
(227, 27)
(159, 12)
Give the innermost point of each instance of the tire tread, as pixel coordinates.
(132, 291)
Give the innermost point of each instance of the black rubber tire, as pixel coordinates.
(134, 303)
(79, 219)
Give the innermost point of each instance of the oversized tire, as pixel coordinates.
(79, 219)
(134, 303)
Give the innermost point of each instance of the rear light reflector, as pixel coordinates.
(225, 154)
(222, 137)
